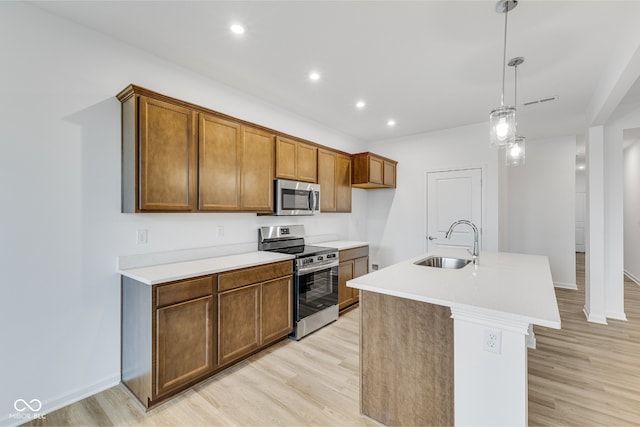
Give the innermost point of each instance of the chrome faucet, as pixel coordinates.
(475, 254)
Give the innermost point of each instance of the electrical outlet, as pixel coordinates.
(492, 341)
(219, 231)
(142, 237)
(374, 267)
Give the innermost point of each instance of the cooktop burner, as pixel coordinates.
(289, 240)
(304, 250)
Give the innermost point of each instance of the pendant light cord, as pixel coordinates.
(515, 92)
(504, 50)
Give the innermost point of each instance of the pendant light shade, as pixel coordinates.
(502, 124)
(502, 120)
(515, 154)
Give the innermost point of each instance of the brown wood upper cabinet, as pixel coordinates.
(373, 171)
(180, 157)
(236, 166)
(159, 155)
(296, 160)
(256, 170)
(218, 169)
(334, 177)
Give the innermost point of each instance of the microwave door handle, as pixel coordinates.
(311, 199)
(315, 201)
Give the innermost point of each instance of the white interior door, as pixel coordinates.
(453, 195)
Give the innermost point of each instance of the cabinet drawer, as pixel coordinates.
(354, 253)
(247, 276)
(184, 290)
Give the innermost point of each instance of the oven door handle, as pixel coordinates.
(313, 269)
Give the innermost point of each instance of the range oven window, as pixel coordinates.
(317, 291)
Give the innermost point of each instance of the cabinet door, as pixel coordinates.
(376, 170)
(286, 158)
(343, 183)
(327, 180)
(256, 170)
(219, 175)
(238, 323)
(296, 160)
(307, 162)
(184, 343)
(389, 174)
(277, 309)
(167, 157)
(345, 294)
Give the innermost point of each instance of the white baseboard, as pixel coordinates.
(617, 316)
(592, 318)
(562, 285)
(632, 277)
(54, 404)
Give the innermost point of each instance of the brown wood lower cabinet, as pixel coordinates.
(252, 316)
(353, 263)
(177, 334)
(277, 309)
(187, 325)
(239, 328)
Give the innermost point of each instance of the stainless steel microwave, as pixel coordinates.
(296, 198)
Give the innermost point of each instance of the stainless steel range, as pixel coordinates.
(316, 277)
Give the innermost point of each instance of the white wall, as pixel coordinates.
(396, 219)
(542, 206)
(632, 211)
(625, 117)
(61, 229)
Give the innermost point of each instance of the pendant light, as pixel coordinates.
(515, 152)
(502, 120)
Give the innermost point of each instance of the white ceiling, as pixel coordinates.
(428, 64)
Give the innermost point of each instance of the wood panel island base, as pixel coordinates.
(406, 360)
(449, 346)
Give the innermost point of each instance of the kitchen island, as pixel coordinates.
(449, 346)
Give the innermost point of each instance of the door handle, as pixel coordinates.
(432, 238)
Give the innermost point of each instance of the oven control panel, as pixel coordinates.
(317, 259)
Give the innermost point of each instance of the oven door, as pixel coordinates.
(316, 289)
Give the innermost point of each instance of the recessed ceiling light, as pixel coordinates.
(360, 104)
(391, 123)
(237, 29)
(314, 75)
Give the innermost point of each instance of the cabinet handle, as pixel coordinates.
(432, 238)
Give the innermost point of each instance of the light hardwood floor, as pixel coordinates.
(583, 374)
(587, 373)
(310, 382)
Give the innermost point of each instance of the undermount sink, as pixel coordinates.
(443, 262)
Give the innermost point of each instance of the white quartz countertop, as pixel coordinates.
(505, 285)
(163, 273)
(343, 244)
